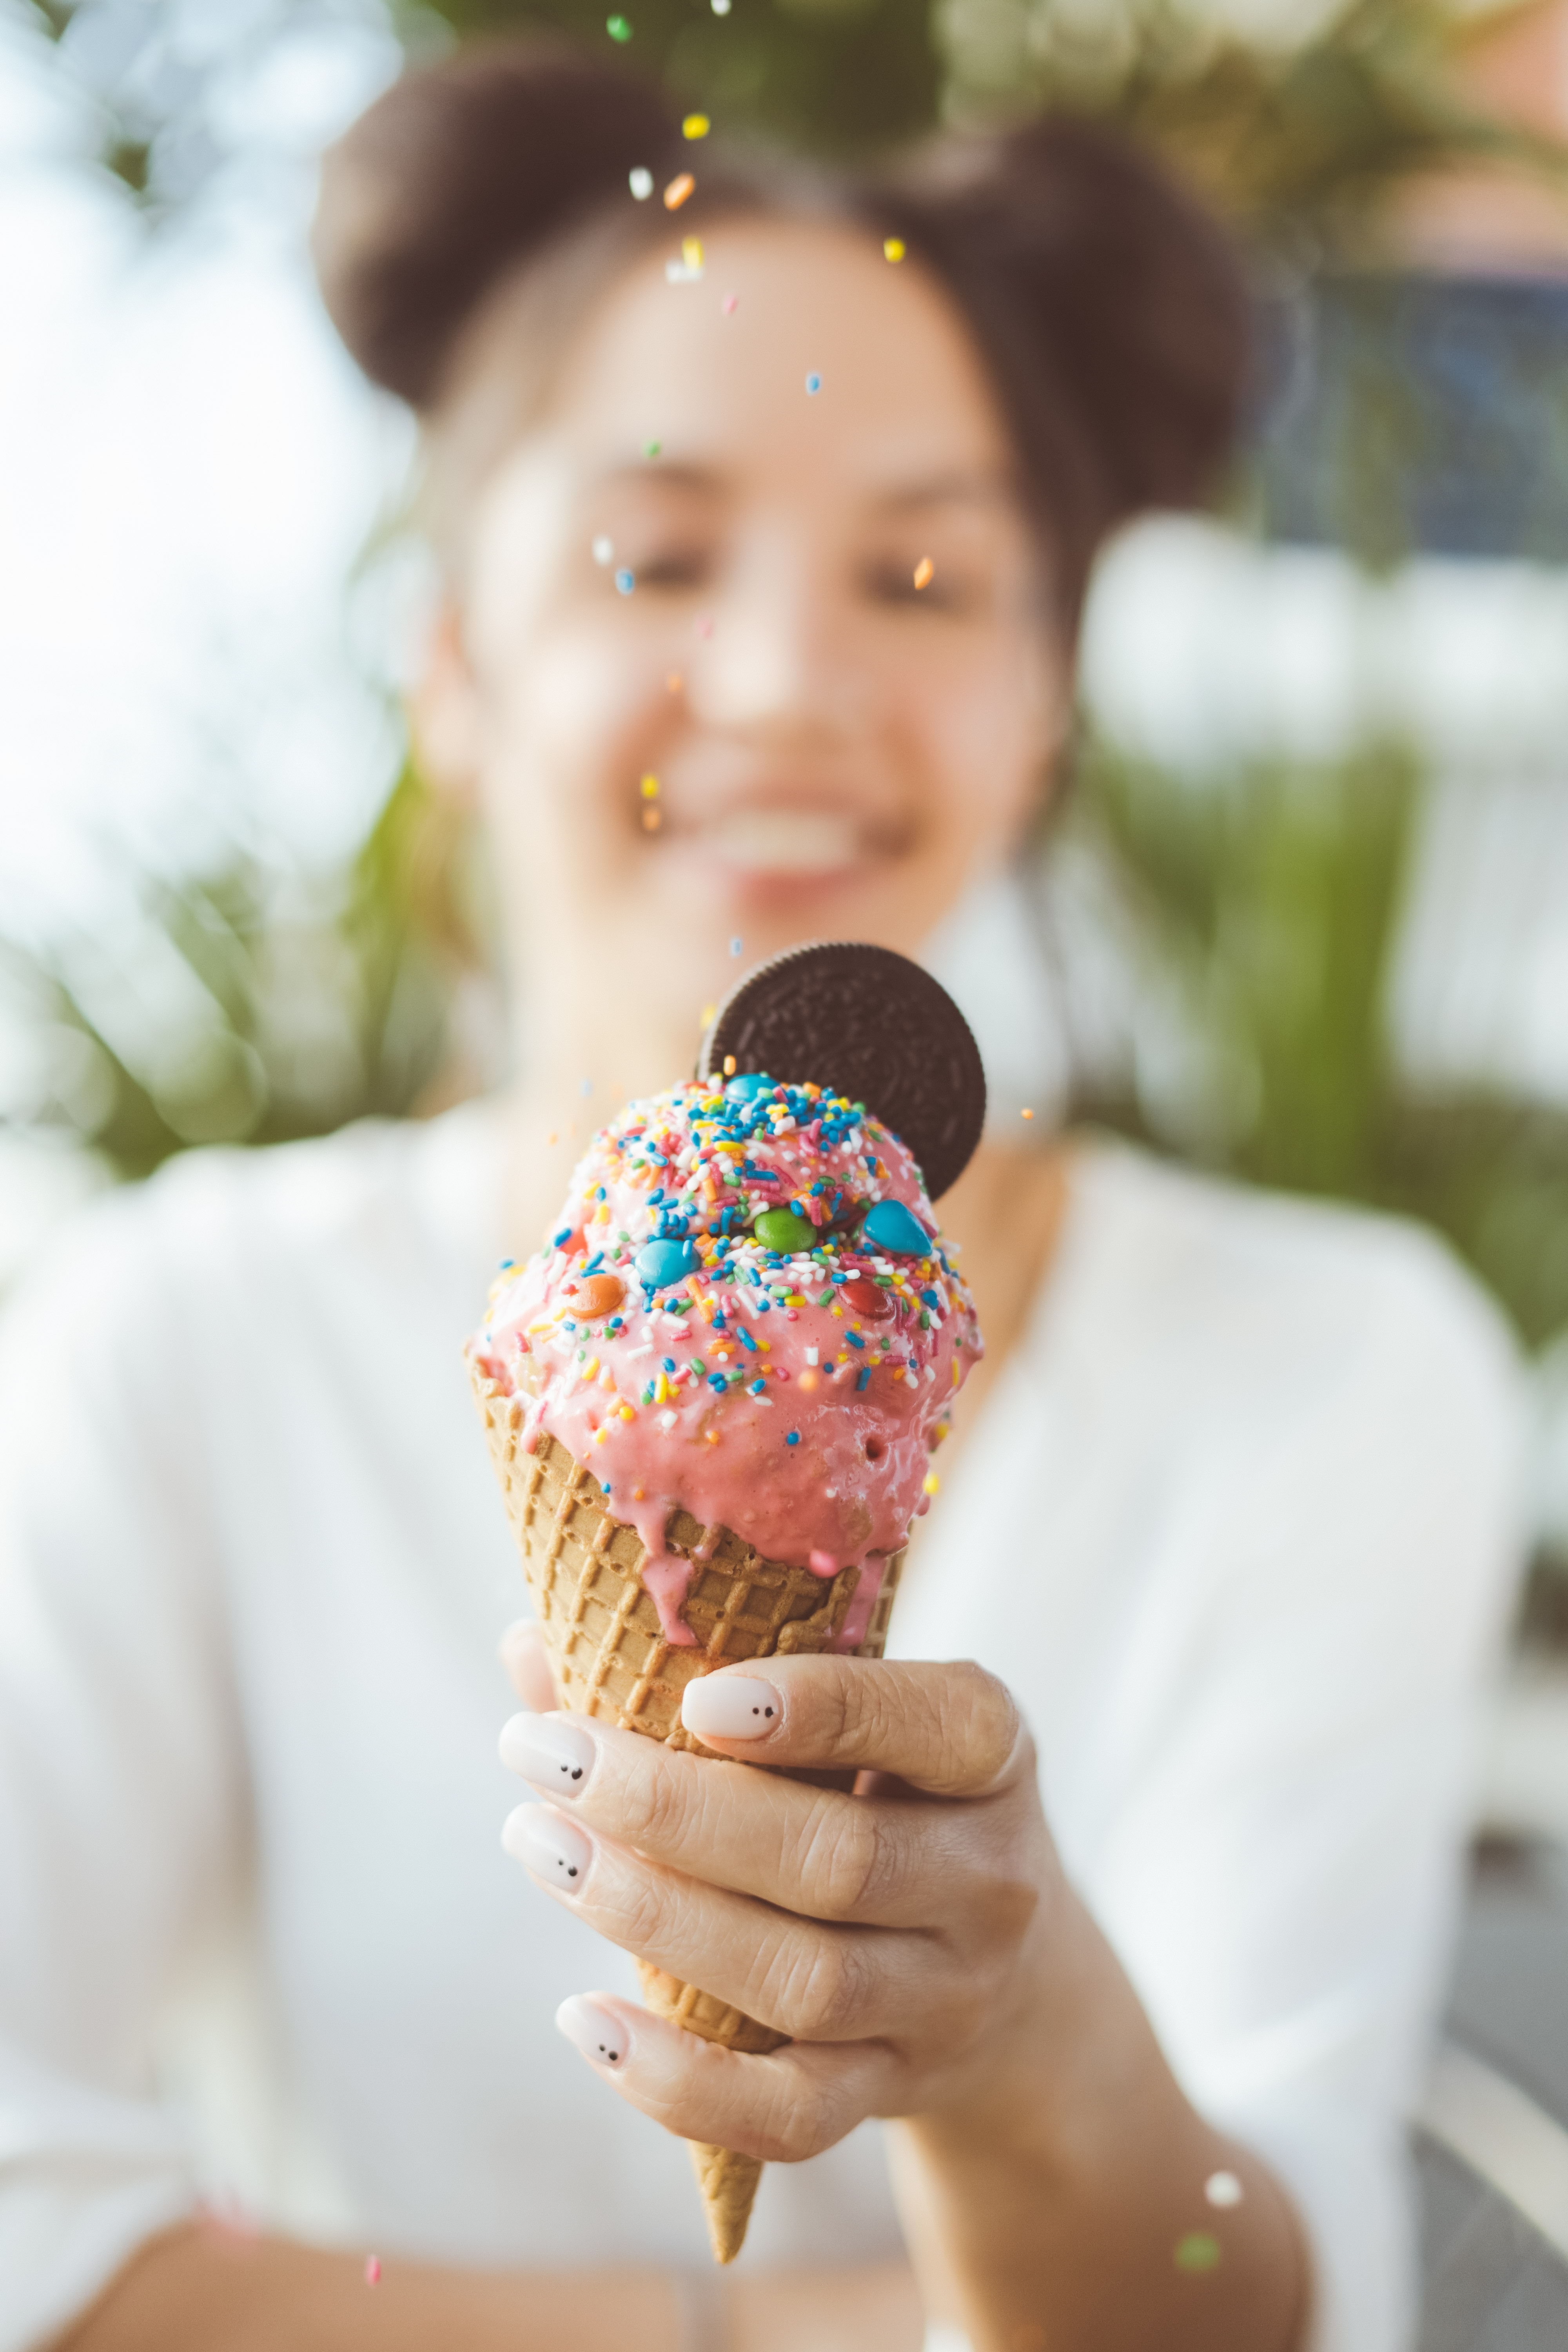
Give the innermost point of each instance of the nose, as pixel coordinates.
(776, 664)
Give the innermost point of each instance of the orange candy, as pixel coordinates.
(597, 1294)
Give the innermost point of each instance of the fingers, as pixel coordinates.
(782, 2109)
(871, 1860)
(816, 1983)
(950, 1730)
(526, 1662)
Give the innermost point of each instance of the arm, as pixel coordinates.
(932, 1963)
(202, 2286)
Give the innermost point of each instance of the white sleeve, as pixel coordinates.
(1283, 1876)
(120, 1810)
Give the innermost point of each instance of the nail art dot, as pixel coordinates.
(605, 2052)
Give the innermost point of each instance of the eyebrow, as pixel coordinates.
(970, 489)
(949, 489)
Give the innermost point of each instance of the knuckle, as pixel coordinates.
(853, 1700)
(654, 1804)
(982, 1724)
(824, 1989)
(844, 1858)
(644, 1911)
(797, 2122)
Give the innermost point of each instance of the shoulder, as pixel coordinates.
(236, 1232)
(1261, 1334)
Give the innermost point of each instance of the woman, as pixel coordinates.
(1142, 1953)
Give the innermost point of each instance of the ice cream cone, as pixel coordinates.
(611, 1658)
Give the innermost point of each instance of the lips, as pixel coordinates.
(779, 844)
(782, 841)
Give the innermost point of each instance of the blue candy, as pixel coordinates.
(748, 1086)
(890, 1226)
(661, 1262)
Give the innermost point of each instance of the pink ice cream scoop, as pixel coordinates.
(744, 1309)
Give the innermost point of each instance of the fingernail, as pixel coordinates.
(731, 1707)
(542, 1841)
(551, 1753)
(594, 2030)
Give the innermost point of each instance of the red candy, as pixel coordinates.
(868, 1299)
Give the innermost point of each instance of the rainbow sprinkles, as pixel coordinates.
(745, 1310)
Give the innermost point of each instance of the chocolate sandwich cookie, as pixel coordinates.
(868, 1023)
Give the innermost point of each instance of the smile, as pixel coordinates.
(782, 841)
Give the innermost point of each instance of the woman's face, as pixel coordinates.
(837, 751)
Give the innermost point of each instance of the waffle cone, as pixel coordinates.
(610, 1658)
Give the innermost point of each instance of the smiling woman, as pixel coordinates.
(764, 539)
(1063, 343)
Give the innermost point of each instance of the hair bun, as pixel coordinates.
(1084, 266)
(457, 171)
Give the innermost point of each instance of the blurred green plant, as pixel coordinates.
(243, 1006)
(1265, 904)
(1299, 136)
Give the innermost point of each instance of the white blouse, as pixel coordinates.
(1238, 1529)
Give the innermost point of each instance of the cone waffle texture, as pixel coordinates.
(611, 1659)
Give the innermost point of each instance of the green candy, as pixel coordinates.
(782, 1230)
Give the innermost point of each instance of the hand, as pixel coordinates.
(899, 1936)
(920, 1945)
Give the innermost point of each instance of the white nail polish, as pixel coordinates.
(553, 1754)
(731, 1707)
(593, 2030)
(544, 1843)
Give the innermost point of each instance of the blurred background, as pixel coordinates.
(1304, 911)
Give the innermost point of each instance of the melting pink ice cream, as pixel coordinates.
(744, 1310)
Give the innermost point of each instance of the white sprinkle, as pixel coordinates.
(811, 1355)
(604, 550)
(667, 1420)
(640, 183)
(1223, 2189)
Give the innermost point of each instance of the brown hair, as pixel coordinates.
(472, 215)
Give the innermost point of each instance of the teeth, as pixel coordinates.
(784, 841)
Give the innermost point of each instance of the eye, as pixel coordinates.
(673, 565)
(891, 583)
